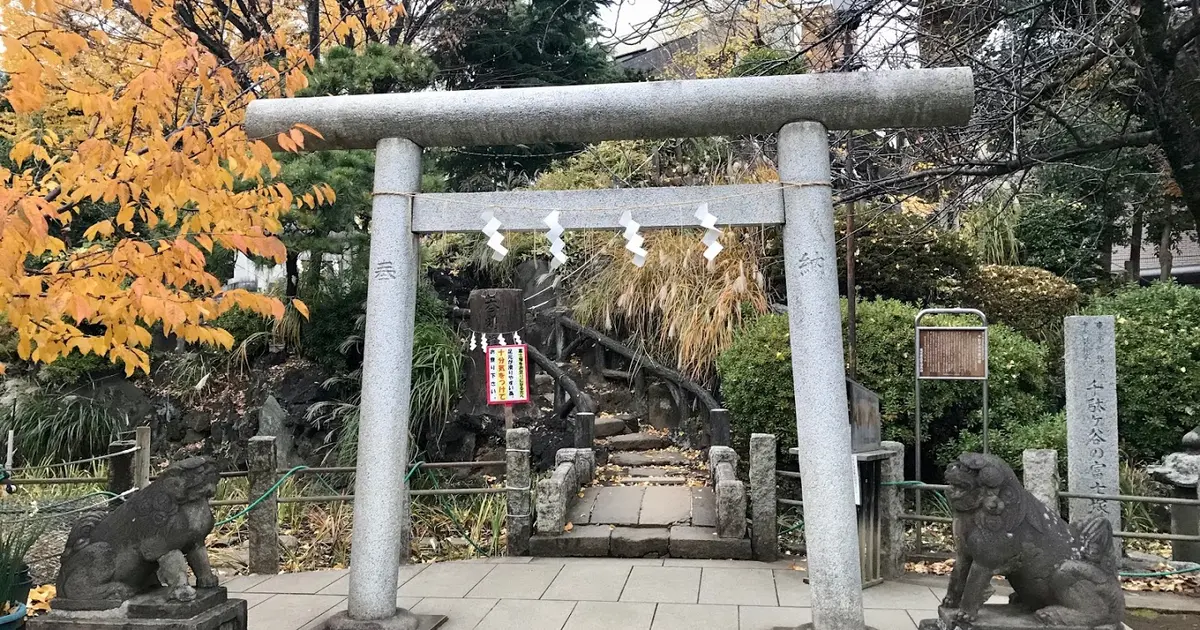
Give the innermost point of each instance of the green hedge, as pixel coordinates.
(756, 378)
(1158, 365)
(1031, 300)
(903, 257)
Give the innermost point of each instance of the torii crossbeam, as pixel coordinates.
(799, 107)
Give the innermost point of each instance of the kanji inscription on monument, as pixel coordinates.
(508, 374)
(1092, 455)
(952, 353)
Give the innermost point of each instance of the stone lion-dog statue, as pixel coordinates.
(1062, 576)
(149, 540)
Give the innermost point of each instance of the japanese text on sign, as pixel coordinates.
(507, 375)
(1096, 439)
(952, 353)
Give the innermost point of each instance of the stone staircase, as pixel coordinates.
(650, 500)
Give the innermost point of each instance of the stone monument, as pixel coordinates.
(1181, 472)
(129, 568)
(1063, 576)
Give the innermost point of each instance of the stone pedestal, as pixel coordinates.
(211, 610)
(1001, 617)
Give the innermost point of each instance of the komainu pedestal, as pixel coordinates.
(129, 568)
(1062, 576)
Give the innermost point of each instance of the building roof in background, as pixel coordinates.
(1186, 259)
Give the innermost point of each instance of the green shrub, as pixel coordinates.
(1031, 300)
(1061, 235)
(756, 378)
(902, 257)
(756, 381)
(241, 324)
(1010, 441)
(54, 424)
(1158, 365)
(73, 368)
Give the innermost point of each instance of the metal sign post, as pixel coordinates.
(948, 353)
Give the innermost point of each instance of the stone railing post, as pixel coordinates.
(891, 507)
(730, 492)
(718, 420)
(585, 429)
(764, 518)
(263, 520)
(1040, 468)
(121, 467)
(553, 495)
(517, 480)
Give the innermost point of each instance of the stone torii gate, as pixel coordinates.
(800, 108)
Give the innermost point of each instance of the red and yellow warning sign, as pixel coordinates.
(508, 374)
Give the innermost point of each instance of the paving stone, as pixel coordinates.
(463, 614)
(252, 599)
(647, 458)
(584, 540)
(297, 583)
(772, 617)
(898, 595)
(638, 442)
(639, 542)
(618, 506)
(589, 581)
(703, 542)
(704, 507)
(580, 509)
(607, 426)
(888, 619)
(446, 579)
(242, 583)
(791, 589)
(666, 506)
(610, 616)
(749, 587)
(515, 581)
(289, 612)
(690, 617)
(517, 614)
(342, 586)
(679, 585)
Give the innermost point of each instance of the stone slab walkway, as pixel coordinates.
(583, 594)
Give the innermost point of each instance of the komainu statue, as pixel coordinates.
(1062, 576)
(151, 539)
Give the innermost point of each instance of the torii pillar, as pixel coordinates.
(800, 108)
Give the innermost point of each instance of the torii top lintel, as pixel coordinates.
(619, 111)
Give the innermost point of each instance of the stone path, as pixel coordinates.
(608, 594)
(582, 594)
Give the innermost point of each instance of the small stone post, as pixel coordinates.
(585, 430)
(891, 508)
(718, 420)
(1041, 475)
(517, 480)
(764, 519)
(141, 457)
(120, 467)
(263, 520)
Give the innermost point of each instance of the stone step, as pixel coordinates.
(647, 458)
(677, 541)
(607, 426)
(637, 442)
(654, 472)
(655, 481)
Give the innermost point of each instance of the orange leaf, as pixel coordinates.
(301, 307)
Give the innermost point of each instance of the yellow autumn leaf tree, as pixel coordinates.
(129, 164)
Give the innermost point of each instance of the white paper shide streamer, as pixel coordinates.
(495, 238)
(557, 245)
(633, 239)
(712, 236)
(517, 339)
